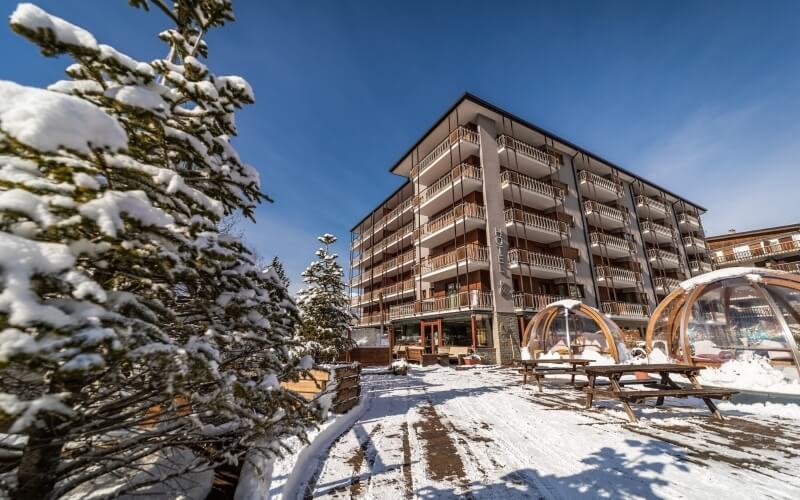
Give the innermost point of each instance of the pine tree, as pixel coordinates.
(128, 324)
(324, 307)
(277, 266)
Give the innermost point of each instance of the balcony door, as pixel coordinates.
(430, 335)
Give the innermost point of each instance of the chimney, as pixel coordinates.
(731, 231)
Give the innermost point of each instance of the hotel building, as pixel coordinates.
(773, 247)
(496, 219)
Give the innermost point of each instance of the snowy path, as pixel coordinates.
(478, 433)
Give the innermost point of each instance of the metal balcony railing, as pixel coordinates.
(447, 180)
(531, 184)
(659, 254)
(596, 238)
(518, 256)
(591, 206)
(650, 226)
(459, 134)
(463, 210)
(684, 218)
(625, 309)
(691, 241)
(617, 273)
(666, 283)
(585, 176)
(505, 141)
(534, 220)
(646, 201)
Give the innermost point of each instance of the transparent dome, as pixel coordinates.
(732, 314)
(570, 327)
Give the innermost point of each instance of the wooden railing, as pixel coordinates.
(520, 256)
(504, 141)
(461, 133)
(371, 319)
(462, 170)
(531, 184)
(591, 206)
(463, 210)
(401, 233)
(533, 301)
(467, 300)
(646, 201)
(617, 273)
(596, 238)
(659, 254)
(666, 283)
(387, 291)
(650, 226)
(792, 245)
(399, 209)
(534, 220)
(791, 267)
(625, 309)
(585, 176)
(471, 252)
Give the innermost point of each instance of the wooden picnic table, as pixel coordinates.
(534, 368)
(659, 388)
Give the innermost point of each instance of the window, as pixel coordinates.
(570, 290)
(483, 330)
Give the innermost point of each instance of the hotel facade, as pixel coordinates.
(772, 247)
(496, 219)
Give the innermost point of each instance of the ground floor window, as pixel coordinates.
(457, 331)
(406, 333)
(483, 330)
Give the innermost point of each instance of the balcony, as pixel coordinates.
(459, 261)
(371, 319)
(463, 141)
(699, 267)
(610, 246)
(402, 237)
(694, 245)
(656, 233)
(472, 300)
(603, 216)
(651, 208)
(523, 189)
(665, 285)
(457, 183)
(525, 158)
(539, 265)
(688, 223)
(626, 310)
(791, 246)
(393, 219)
(396, 265)
(599, 188)
(616, 277)
(533, 227)
(532, 302)
(663, 259)
(456, 222)
(789, 267)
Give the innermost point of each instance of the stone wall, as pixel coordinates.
(506, 338)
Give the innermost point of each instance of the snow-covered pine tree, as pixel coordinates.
(128, 324)
(325, 318)
(277, 266)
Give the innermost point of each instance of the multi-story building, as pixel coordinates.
(498, 218)
(774, 247)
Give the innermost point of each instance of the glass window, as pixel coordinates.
(406, 333)
(457, 332)
(483, 330)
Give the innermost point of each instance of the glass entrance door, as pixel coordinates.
(431, 335)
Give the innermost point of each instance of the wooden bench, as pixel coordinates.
(418, 355)
(655, 388)
(533, 368)
(455, 353)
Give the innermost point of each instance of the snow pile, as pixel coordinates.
(787, 411)
(47, 121)
(566, 303)
(597, 357)
(752, 373)
(751, 273)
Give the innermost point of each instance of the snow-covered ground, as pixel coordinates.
(478, 433)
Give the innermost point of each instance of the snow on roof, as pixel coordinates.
(751, 273)
(48, 120)
(566, 303)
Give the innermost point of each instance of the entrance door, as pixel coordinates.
(430, 335)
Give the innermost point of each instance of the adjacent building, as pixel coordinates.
(496, 219)
(774, 247)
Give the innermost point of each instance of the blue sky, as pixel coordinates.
(700, 97)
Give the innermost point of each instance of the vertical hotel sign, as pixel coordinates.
(502, 253)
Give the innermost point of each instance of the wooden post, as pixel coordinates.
(474, 337)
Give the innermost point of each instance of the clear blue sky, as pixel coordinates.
(700, 97)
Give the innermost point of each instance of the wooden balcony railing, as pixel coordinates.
(650, 226)
(791, 267)
(792, 245)
(533, 301)
(371, 319)
(447, 219)
(505, 141)
(459, 134)
(534, 220)
(399, 209)
(470, 252)
(585, 176)
(467, 300)
(596, 238)
(518, 256)
(646, 201)
(591, 206)
(531, 184)
(625, 309)
(463, 170)
(617, 273)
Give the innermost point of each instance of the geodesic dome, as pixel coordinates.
(569, 327)
(732, 314)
